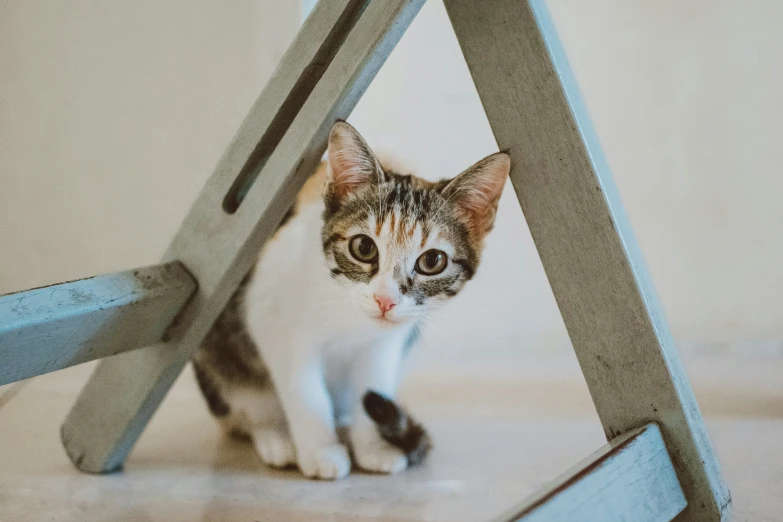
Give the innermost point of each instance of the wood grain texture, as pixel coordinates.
(631, 478)
(582, 234)
(54, 327)
(219, 248)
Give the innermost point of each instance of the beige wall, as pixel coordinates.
(112, 117)
(686, 99)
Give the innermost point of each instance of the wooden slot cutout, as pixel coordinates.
(291, 106)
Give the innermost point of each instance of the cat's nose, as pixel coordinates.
(385, 303)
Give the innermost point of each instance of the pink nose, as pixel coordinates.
(384, 303)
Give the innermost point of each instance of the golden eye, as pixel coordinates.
(363, 248)
(432, 262)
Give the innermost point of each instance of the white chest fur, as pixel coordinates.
(322, 354)
(298, 314)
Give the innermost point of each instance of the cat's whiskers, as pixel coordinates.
(436, 305)
(435, 308)
(439, 314)
(424, 334)
(432, 325)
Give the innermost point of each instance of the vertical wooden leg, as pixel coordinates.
(325, 71)
(584, 239)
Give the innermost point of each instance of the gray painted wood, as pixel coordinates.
(54, 327)
(219, 248)
(582, 234)
(631, 478)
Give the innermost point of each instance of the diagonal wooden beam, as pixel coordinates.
(583, 236)
(228, 224)
(631, 478)
(57, 326)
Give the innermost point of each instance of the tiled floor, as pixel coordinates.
(502, 427)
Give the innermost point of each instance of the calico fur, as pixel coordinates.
(314, 338)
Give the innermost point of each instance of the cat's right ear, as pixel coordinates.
(352, 163)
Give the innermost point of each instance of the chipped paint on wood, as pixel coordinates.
(54, 327)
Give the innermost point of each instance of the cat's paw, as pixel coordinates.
(374, 454)
(327, 462)
(274, 447)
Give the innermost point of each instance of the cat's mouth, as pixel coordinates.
(387, 321)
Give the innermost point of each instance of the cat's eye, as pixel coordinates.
(432, 262)
(363, 248)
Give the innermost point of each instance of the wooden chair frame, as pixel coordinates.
(659, 463)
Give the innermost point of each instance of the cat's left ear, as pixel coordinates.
(352, 163)
(476, 192)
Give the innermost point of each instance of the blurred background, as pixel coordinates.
(112, 115)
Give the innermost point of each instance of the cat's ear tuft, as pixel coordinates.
(475, 193)
(352, 163)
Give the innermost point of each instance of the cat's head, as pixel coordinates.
(403, 245)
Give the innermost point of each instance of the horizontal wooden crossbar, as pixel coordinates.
(54, 327)
(630, 478)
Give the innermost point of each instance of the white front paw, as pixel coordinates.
(327, 462)
(275, 447)
(374, 454)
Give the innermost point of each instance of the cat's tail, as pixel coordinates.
(397, 427)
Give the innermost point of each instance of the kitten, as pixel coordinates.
(315, 336)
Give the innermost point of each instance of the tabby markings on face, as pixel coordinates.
(404, 244)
